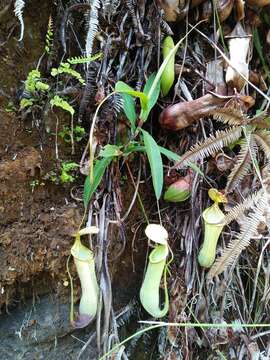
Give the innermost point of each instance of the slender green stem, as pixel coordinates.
(91, 135)
(138, 194)
(71, 316)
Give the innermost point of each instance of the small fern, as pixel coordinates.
(211, 145)
(18, 9)
(65, 68)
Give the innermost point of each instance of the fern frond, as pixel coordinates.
(93, 23)
(110, 7)
(229, 115)
(18, 9)
(237, 245)
(243, 163)
(65, 68)
(83, 59)
(239, 210)
(165, 27)
(262, 138)
(125, 315)
(211, 145)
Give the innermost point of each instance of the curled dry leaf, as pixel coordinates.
(224, 9)
(223, 162)
(171, 9)
(174, 9)
(181, 115)
(259, 3)
(177, 9)
(238, 47)
(195, 3)
(184, 114)
(268, 37)
(240, 9)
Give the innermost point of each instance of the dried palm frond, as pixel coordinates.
(261, 121)
(229, 115)
(18, 9)
(239, 210)
(243, 163)
(211, 145)
(110, 7)
(165, 27)
(93, 23)
(249, 228)
(262, 138)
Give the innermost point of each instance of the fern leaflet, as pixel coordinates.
(262, 138)
(243, 163)
(92, 27)
(240, 209)
(83, 59)
(211, 145)
(229, 115)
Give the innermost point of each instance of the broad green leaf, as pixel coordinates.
(99, 170)
(155, 160)
(151, 100)
(175, 157)
(122, 87)
(129, 109)
(110, 150)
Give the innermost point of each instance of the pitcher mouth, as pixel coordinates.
(214, 216)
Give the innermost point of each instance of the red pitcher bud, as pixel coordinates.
(178, 191)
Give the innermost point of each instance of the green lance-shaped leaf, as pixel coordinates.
(85, 265)
(151, 100)
(155, 160)
(99, 170)
(149, 293)
(129, 109)
(167, 77)
(214, 221)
